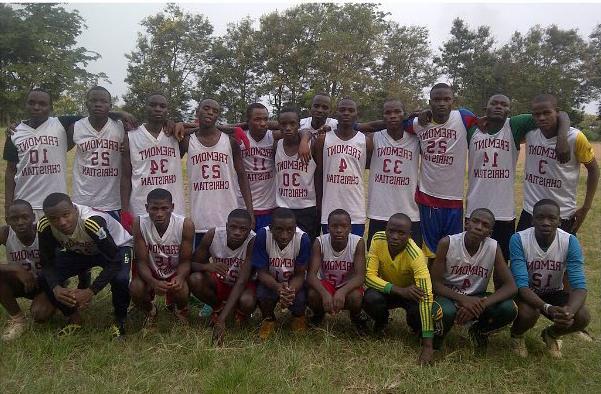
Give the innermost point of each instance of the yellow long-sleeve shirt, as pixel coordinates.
(407, 268)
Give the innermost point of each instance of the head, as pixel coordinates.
(237, 227)
(346, 112)
(257, 117)
(20, 217)
(156, 108)
(398, 230)
(289, 122)
(321, 106)
(159, 205)
(480, 223)
(283, 226)
(208, 112)
(339, 225)
(98, 102)
(394, 112)
(38, 104)
(545, 112)
(546, 218)
(498, 107)
(60, 212)
(441, 100)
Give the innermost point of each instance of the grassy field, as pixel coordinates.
(332, 359)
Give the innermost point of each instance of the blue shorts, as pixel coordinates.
(262, 221)
(438, 223)
(357, 229)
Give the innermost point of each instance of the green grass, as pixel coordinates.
(331, 359)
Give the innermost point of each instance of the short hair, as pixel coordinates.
(159, 194)
(545, 98)
(339, 212)
(486, 211)
(249, 109)
(282, 213)
(239, 213)
(43, 90)
(346, 99)
(53, 199)
(156, 94)
(545, 201)
(394, 100)
(496, 95)
(98, 89)
(400, 216)
(20, 202)
(324, 94)
(290, 109)
(441, 85)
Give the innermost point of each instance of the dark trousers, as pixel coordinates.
(380, 225)
(69, 264)
(377, 304)
(502, 232)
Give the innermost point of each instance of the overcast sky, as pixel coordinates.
(113, 27)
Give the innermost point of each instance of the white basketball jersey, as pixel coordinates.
(469, 274)
(80, 242)
(97, 168)
(444, 151)
(42, 166)
(233, 258)
(544, 177)
(305, 124)
(294, 179)
(336, 266)
(282, 261)
(213, 183)
(163, 251)
(155, 163)
(491, 172)
(259, 166)
(545, 268)
(26, 255)
(393, 177)
(343, 166)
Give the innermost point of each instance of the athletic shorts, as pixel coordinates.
(223, 290)
(262, 220)
(555, 298)
(332, 289)
(437, 223)
(308, 221)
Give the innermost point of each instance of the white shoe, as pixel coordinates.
(14, 328)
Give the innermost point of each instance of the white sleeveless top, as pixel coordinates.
(155, 163)
(163, 251)
(80, 242)
(282, 261)
(305, 124)
(393, 177)
(42, 166)
(26, 255)
(544, 177)
(545, 269)
(343, 166)
(259, 166)
(97, 167)
(233, 258)
(213, 183)
(336, 266)
(469, 274)
(295, 185)
(491, 172)
(444, 151)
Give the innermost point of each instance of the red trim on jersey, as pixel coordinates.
(330, 288)
(435, 202)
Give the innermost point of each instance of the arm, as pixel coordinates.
(520, 273)
(575, 271)
(47, 245)
(245, 273)
(304, 148)
(592, 180)
(421, 277)
(314, 265)
(508, 288)
(373, 266)
(242, 179)
(125, 186)
(317, 179)
(358, 275)
(97, 229)
(201, 261)
(318, 176)
(260, 262)
(370, 127)
(300, 265)
(369, 145)
(70, 130)
(142, 258)
(185, 255)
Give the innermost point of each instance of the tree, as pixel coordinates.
(38, 47)
(234, 74)
(168, 59)
(593, 64)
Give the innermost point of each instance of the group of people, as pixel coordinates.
(278, 212)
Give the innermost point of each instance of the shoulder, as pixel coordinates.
(414, 252)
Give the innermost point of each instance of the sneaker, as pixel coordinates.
(584, 336)
(15, 326)
(299, 324)
(518, 346)
(150, 323)
(479, 340)
(553, 344)
(182, 315)
(266, 329)
(206, 311)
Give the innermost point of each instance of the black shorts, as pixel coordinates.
(555, 298)
(308, 221)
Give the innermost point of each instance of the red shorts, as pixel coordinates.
(223, 290)
(332, 289)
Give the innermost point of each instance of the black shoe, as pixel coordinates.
(360, 323)
(479, 340)
(380, 328)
